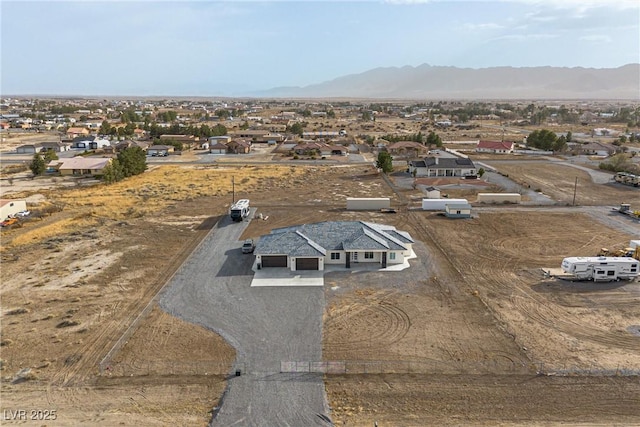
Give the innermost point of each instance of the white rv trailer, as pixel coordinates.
(239, 210)
(602, 269)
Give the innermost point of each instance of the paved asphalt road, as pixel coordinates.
(265, 325)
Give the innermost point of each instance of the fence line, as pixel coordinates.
(106, 360)
(167, 367)
(341, 367)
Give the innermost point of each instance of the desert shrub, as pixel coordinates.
(15, 311)
(67, 324)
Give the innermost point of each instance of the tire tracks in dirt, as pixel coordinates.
(112, 331)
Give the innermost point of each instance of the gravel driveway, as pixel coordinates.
(264, 325)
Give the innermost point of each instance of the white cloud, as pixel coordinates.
(597, 38)
(556, 4)
(523, 37)
(482, 27)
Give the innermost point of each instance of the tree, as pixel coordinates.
(218, 130)
(37, 164)
(434, 139)
(560, 144)
(569, 136)
(296, 128)
(133, 161)
(543, 139)
(112, 172)
(50, 155)
(384, 162)
(617, 163)
(105, 128)
(223, 114)
(129, 128)
(481, 172)
(419, 138)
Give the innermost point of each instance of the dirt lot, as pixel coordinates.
(473, 312)
(558, 182)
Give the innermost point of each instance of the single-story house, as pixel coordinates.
(127, 143)
(334, 150)
(239, 146)
(187, 141)
(406, 147)
(457, 210)
(320, 134)
(89, 143)
(56, 146)
(160, 150)
(217, 148)
(496, 147)
(312, 246)
(437, 166)
(251, 134)
(139, 133)
(596, 149)
(308, 148)
(81, 165)
(29, 148)
(270, 138)
(74, 132)
(225, 139)
(11, 207)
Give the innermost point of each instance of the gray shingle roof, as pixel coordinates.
(448, 163)
(318, 238)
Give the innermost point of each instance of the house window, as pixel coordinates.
(354, 256)
(368, 255)
(335, 255)
(392, 255)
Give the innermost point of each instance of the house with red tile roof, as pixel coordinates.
(495, 147)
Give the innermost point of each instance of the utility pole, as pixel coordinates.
(233, 190)
(575, 188)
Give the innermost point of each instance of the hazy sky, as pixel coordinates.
(230, 48)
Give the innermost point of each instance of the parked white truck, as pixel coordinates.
(602, 269)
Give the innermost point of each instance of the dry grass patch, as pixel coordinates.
(149, 193)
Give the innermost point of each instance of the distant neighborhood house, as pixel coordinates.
(160, 150)
(321, 148)
(596, 149)
(495, 147)
(89, 143)
(38, 147)
(74, 132)
(80, 166)
(406, 148)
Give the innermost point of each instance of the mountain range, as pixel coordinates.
(438, 82)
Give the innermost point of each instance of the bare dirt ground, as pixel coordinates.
(466, 329)
(558, 182)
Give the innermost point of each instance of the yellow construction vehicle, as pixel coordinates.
(629, 252)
